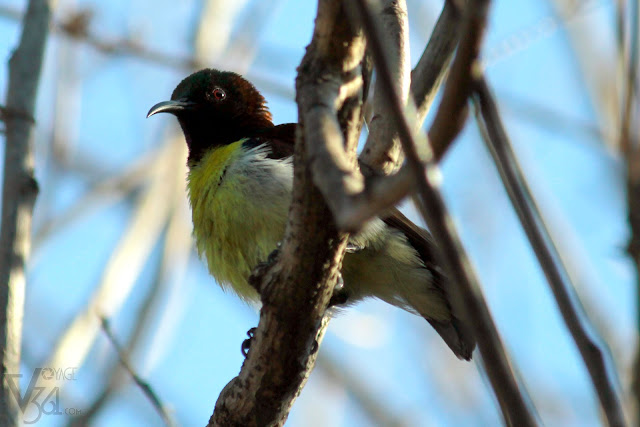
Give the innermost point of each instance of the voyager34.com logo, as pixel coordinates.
(40, 399)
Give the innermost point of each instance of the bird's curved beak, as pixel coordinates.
(172, 107)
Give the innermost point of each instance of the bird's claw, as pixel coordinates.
(246, 344)
(340, 295)
(255, 279)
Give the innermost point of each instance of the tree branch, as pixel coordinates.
(432, 68)
(382, 192)
(18, 194)
(469, 300)
(144, 386)
(281, 354)
(382, 151)
(513, 179)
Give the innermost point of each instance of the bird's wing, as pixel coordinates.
(281, 140)
(419, 238)
(455, 333)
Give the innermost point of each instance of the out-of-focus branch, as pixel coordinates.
(628, 40)
(144, 386)
(18, 196)
(126, 262)
(513, 179)
(176, 253)
(359, 390)
(77, 28)
(382, 150)
(594, 70)
(630, 62)
(467, 298)
(453, 110)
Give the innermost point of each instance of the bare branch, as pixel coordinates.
(18, 194)
(430, 71)
(382, 150)
(281, 354)
(498, 144)
(453, 110)
(125, 264)
(514, 405)
(144, 386)
(359, 389)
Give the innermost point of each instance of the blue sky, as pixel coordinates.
(191, 345)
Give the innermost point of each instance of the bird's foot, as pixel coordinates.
(255, 280)
(246, 344)
(340, 295)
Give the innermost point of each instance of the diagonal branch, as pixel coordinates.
(602, 376)
(144, 386)
(432, 67)
(382, 192)
(382, 151)
(18, 194)
(282, 351)
(512, 399)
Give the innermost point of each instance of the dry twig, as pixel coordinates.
(19, 193)
(513, 179)
(144, 386)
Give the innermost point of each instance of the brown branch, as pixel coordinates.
(382, 151)
(359, 390)
(513, 179)
(79, 30)
(18, 194)
(382, 192)
(432, 68)
(281, 354)
(470, 301)
(142, 384)
(453, 110)
(630, 150)
(143, 231)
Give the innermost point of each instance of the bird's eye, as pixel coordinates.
(219, 94)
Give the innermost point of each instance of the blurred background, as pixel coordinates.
(112, 228)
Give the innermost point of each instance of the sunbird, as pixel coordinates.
(239, 186)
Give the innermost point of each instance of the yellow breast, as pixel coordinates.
(239, 200)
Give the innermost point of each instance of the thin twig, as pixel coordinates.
(513, 401)
(18, 195)
(144, 386)
(599, 367)
(359, 389)
(125, 263)
(128, 47)
(630, 56)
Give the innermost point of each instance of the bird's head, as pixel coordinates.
(215, 108)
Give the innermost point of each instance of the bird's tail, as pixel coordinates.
(457, 336)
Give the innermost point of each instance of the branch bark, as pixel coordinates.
(19, 193)
(382, 151)
(282, 352)
(382, 192)
(604, 381)
(467, 298)
(433, 65)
